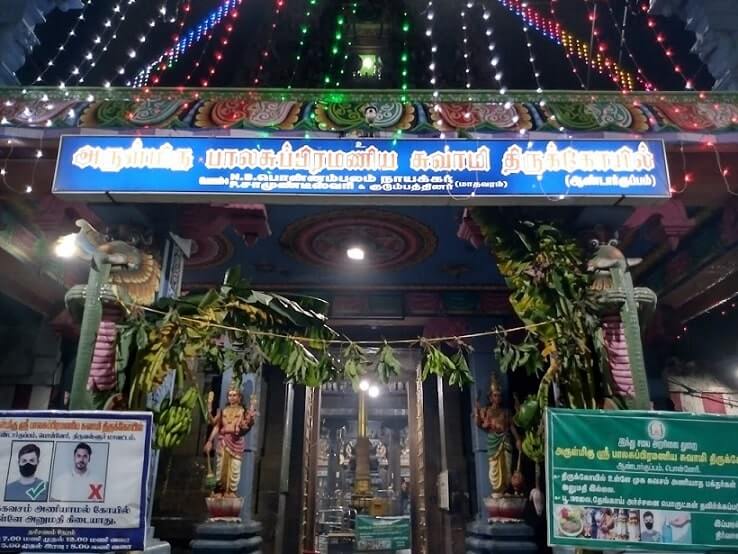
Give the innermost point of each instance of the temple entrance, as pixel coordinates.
(359, 467)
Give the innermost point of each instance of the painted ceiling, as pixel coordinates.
(405, 247)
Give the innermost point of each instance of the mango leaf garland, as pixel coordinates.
(234, 326)
(354, 362)
(388, 366)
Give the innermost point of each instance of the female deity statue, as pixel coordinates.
(230, 426)
(497, 422)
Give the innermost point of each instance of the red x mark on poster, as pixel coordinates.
(95, 492)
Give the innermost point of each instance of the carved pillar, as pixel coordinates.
(715, 24)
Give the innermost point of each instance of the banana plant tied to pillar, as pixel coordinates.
(546, 273)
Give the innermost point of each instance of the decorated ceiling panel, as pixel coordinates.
(415, 247)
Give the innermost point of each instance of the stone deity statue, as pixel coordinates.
(496, 421)
(230, 426)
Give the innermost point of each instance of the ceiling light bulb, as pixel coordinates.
(373, 391)
(364, 385)
(355, 253)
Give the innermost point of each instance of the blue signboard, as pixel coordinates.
(479, 171)
(73, 481)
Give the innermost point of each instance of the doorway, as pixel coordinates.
(363, 472)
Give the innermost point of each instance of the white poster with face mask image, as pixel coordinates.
(73, 480)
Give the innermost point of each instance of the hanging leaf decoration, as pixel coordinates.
(388, 366)
(546, 272)
(236, 327)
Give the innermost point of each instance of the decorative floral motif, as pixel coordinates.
(110, 113)
(156, 113)
(590, 116)
(450, 116)
(390, 240)
(241, 112)
(348, 115)
(35, 114)
(701, 116)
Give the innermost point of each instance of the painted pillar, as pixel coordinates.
(482, 362)
(173, 258)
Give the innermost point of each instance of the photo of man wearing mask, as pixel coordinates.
(649, 534)
(28, 487)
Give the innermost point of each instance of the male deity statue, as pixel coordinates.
(497, 422)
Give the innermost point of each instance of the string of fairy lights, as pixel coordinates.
(71, 35)
(621, 29)
(265, 52)
(303, 34)
(596, 54)
(495, 58)
(430, 17)
(151, 73)
(404, 58)
(661, 39)
(532, 59)
(465, 45)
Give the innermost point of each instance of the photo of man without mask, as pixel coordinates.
(29, 486)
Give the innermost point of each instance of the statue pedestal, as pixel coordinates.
(219, 537)
(488, 538)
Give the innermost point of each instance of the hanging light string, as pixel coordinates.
(430, 17)
(571, 44)
(724, 171)
(495, 59)
(222, 21)
(264, 56)
(404, 58)
(532, 59)
(465, 45)
(217, 55)
(305, 27)
(179, 21)
(195, 66)
(4, 168)
(62, 47)
(100, 43)
(336, 50)
(141, 39)
(598, 46)
(167, 59)
(704, 395)
(130, 52)
(269, 334)
(661, 40)
(552, 10)
(343, 62)
(621, 30)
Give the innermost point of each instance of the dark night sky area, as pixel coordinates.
(252, 34)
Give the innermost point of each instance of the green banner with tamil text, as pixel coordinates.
(382, 533)
(651, 481)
